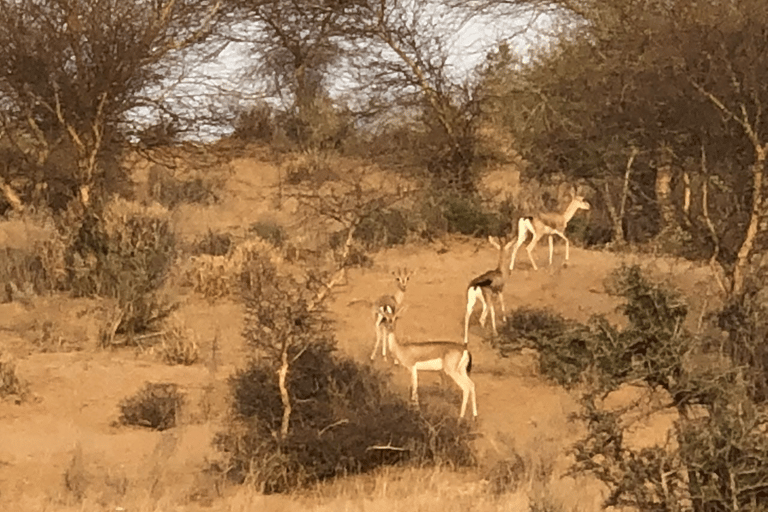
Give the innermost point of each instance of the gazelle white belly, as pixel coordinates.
(430, 365)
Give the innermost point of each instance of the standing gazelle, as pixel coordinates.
(389, 304)
(484, 287)
(549, 223)
(453, 359)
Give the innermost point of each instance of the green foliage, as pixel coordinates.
(125, 253)
(745, 320)
(564, 346)
(156, 406)
(651, 348)
(345, 421)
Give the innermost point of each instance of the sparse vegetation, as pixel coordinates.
(345, 421)
(11, 386)
(125, 253)
(178, 345)
(156, 406)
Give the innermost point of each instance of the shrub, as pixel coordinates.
(213, 244)
(156, 406)
(744, 318)
(255, 124)
(651, 348)
(329, 416)
(345, 421)
(564, 346)
(125, 253)
(313, 165)
(178, 345)
(383, 228)
(10, 383)
(269, 231)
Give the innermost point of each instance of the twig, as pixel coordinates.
(335, 424)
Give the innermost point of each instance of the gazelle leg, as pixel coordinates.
(415, 386)
(378, 337)
(484, 314)
(529, 249)
(471, 299)
(493, 316)
(503, 309)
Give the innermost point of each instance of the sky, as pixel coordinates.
(224, 83)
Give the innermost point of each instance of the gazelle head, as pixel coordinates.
(389, 320)
(503, 246)
(402, 275)
(581, 203)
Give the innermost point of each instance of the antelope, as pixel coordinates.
(453, 359)
(487, 285)
(548, 223)
(389, 304)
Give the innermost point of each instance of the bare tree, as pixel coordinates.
(74, 69)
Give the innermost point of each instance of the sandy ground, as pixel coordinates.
(68, 427)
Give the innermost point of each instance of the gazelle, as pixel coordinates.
(487, 285)
(549, 223)
(453, 359)
(389, 304)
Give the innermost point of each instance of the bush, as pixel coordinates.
(651, 348)
(345, 421)
(125, 253)
(213, 244)
(10, 383)
(255, 124)
(383, 228)
(314, 165)
(332, 416)
(178, 345)
(156, 406)
(269, 231)
(564, 346)
(745, 319)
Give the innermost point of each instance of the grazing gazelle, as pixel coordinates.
(548, 223)
(453, 359)
(389, 304)
(484, 287)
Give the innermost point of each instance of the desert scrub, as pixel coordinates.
(11, 386)
(345, 421)
(156, 406)
(125, 252)
(178, 344)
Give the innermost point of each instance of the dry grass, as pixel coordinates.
(392, 490)
(215, 277)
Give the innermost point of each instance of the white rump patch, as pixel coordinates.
(387, 309)
(430, 365)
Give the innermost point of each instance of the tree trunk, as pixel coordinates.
(617, 234)
(663, 190)
(753, 229)
(282, 375)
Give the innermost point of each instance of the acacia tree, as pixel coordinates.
(73, 69)
(295, 46)
(641, 93)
